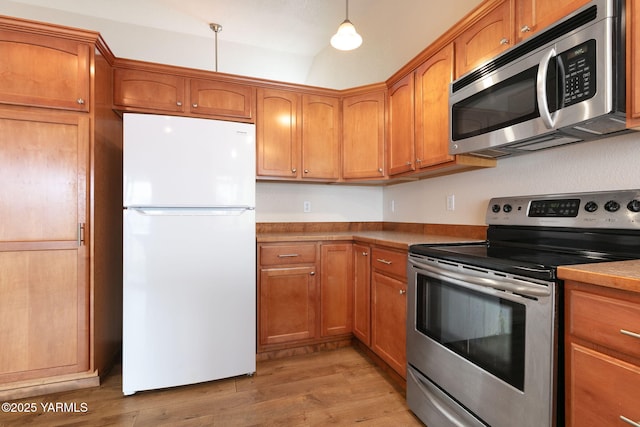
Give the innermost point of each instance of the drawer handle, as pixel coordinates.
(628, 421)
(384, 261)
(288, 255)
(629, 333)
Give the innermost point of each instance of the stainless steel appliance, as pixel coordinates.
(484, 322)
(565, 85)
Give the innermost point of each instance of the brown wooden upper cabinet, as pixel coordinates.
(432, 81)
(164, 92)
(491, 34)
(58, 79)
(149, 90)
(277, 133)
(401, 149)
(363, 135)
(535, 15)
(297, 135)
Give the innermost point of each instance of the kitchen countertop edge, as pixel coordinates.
(623, 275)
(393, 239)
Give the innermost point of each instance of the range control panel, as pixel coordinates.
(602, 209)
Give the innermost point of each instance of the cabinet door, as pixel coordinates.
(602, 389)
(220, 99)
(633, 63)
(388, 320)
(44, 312)
(401, 126)
(490, 35)
(432, 109)
(320, 137)
(534, 15)
(287, 305)
(44, 71)
(363, 136)
(362, 293)
(148, 90)
(277, 135)
(336, 289)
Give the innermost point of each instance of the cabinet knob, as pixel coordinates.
(408, 163)
(294, 170)
(418, 160)
(179, 103)
(504, 41)
(80, 101)
(525, 29)
(194, 105)
(365, 253)
(380, 170)
(306, 171)
(313, 273)
(403, 291)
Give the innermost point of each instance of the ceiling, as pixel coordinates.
(301, 27)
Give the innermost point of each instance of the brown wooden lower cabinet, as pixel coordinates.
(602, 356)
(305, 294)
(362, 293)
(389, 307)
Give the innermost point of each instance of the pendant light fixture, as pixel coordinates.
(216, 28)
(347, 38)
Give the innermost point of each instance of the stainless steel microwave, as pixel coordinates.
(564, 85)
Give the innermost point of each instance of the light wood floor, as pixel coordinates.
(338, 387)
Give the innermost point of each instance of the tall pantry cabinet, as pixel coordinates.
(60, 209)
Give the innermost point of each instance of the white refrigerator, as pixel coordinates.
(189, 299)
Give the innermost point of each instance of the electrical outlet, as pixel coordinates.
(393, 206)
(306, 206)
(451, 202)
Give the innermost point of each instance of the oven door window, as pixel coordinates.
(486, 330)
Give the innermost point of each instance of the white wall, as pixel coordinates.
(283, 202)
(606, 164)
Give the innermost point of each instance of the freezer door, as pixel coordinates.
(189, 297)
(183, 161)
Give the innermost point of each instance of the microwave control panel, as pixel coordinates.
(578, 66)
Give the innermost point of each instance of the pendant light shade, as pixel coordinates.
(346, 38)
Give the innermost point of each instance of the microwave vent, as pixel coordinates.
(546, 142)
(491, 153)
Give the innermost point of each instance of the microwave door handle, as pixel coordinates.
(541, 90)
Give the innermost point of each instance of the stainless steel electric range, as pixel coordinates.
(484, 321)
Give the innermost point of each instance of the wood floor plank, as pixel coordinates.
(338, 387)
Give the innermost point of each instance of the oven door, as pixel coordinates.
(482, 341)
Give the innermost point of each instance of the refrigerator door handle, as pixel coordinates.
(196, 211)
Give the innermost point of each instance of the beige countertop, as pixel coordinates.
(394, 239)
(623, 275)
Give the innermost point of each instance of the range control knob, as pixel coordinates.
(591, 207)
(495, 208)
(611, 206)
(634, 205)
(507, 208)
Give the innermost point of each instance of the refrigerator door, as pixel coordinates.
(189, 296)
(182, 161)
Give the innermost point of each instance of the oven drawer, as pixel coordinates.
(606, 321)
(287, 254)
(603, 389)
(391, 262)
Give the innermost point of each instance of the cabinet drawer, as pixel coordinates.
(606, 321)
(287, 254)
(391, 262)
(602, 389)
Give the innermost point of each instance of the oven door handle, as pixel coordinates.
(504, 284)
